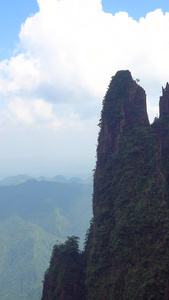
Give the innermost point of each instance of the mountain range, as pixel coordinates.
(34, 215)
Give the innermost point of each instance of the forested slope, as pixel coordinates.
(35, 215)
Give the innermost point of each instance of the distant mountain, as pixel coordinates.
(51, 205)
(18, 179)
(14, 180)
(33, 216)
(59, 178)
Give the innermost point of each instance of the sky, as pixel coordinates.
(57, 58)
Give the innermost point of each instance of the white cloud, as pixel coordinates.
(68, 52)
(43, 109)
(20, 111)
(74, 45)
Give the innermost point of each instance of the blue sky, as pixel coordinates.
(56, 61)
(14, 13)
(136, 9)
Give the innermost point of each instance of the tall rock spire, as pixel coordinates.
(124, 108)
(164, 102)
(128, 241)
(124, 104)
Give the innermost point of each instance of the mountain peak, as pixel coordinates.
(124, 105)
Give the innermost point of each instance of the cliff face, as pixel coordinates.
(127, 246)
(124, 106)
(125, 102)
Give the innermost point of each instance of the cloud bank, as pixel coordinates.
(64, 61)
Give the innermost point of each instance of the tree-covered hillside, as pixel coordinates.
(25, 250)
(35, 215)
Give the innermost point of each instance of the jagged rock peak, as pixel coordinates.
(164, 102)
(124, 104)
(127, 256)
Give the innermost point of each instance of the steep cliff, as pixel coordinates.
(127, 246)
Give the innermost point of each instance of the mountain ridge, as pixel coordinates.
(21, 178)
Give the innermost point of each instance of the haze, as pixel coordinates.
(56, 72)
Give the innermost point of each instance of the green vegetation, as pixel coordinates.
(33, 216)
(128, 256)
(127, 245)
(65, 276)
(25, 250)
